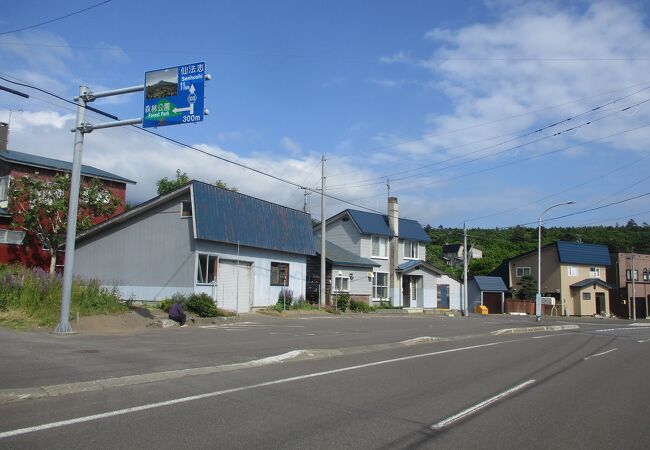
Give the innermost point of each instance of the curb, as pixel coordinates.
(534, 329)
(20, 394)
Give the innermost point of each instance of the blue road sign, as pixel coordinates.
(173, 95)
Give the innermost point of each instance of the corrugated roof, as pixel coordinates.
(580, 253)
(410, 265)
(340, 257)
(491, 284)
(590, 281)
(27, 159)
(226, 216)
(373, 223)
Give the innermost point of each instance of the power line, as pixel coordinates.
(182, 144)
(54, 20)
(513, 162)
(429, 135)
(539, 130)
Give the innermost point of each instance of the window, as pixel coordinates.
(186, 209)
(645, 274)
(628, 275)
(572, 271)
(523, 271)
(341, 284)
(11, 237)
(4, 188)
(380, 285)
(594, 272)
(379, 247)
(207, 270)
(279, 274)
(586, 295)
(410, 249)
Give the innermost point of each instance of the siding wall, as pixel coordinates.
(341, 233)
(361, 284)
(147, 258)
(263, 293)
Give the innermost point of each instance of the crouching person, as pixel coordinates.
(177, 314)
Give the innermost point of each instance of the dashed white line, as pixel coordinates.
(643, 340)
(120, 412)
(600, 354)
(444, 423)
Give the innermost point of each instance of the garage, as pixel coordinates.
(234, 287)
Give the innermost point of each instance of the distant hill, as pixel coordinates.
(499, 245)
(162, 89)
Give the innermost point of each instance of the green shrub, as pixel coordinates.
(202, 305)
(342, 301)
(359, 306)
(285, 299)
(165, 304)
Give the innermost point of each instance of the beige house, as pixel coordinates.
(573, 273)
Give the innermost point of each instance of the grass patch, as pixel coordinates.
(32, 297)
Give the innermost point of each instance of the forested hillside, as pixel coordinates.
(499, 245)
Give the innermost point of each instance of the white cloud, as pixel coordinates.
(400, 57)
(293, 147)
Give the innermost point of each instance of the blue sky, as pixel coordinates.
(442, 98)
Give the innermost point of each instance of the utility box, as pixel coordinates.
(481, 309)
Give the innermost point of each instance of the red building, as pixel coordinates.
(14, 165)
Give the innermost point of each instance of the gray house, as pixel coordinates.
(240, 250)
(393, 251)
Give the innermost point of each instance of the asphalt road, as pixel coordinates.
(584, 388)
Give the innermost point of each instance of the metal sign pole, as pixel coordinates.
(64, 321)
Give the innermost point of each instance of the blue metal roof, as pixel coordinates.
(340, 257)
(579, 253)
(411, 265)
(226, 216)
(56, 164)
(490, 284)
(372, 223)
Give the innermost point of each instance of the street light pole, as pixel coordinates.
(538, 296)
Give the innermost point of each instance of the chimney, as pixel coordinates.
(393, 215)
(393, 255)
(4, 136)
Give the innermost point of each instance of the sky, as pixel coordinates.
(478, 112)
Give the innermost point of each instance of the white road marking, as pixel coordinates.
(444, 423)
(600, 354)
(621, 328)
(119, 412)
(644, 340)
(549, 335)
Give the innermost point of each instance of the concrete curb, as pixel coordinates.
(19, 394)
(534, 329)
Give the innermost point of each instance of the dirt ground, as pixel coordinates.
(133, 321)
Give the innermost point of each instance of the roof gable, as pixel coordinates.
(487, 283)
(27, 159)
(373, 223)
(580, 253)
(226, 216)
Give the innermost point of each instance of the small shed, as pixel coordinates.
(488, 291)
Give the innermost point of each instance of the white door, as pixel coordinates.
(234, 290)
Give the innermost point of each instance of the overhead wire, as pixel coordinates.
(56, 19)
(191, 147)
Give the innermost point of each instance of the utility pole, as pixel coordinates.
(323, 231)
(306, 193)
(465, 303)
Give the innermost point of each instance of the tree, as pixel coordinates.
(39, 206)
(165, 185)
(223, 185)
(527, 287)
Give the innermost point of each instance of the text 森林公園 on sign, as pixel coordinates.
(174, 95)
